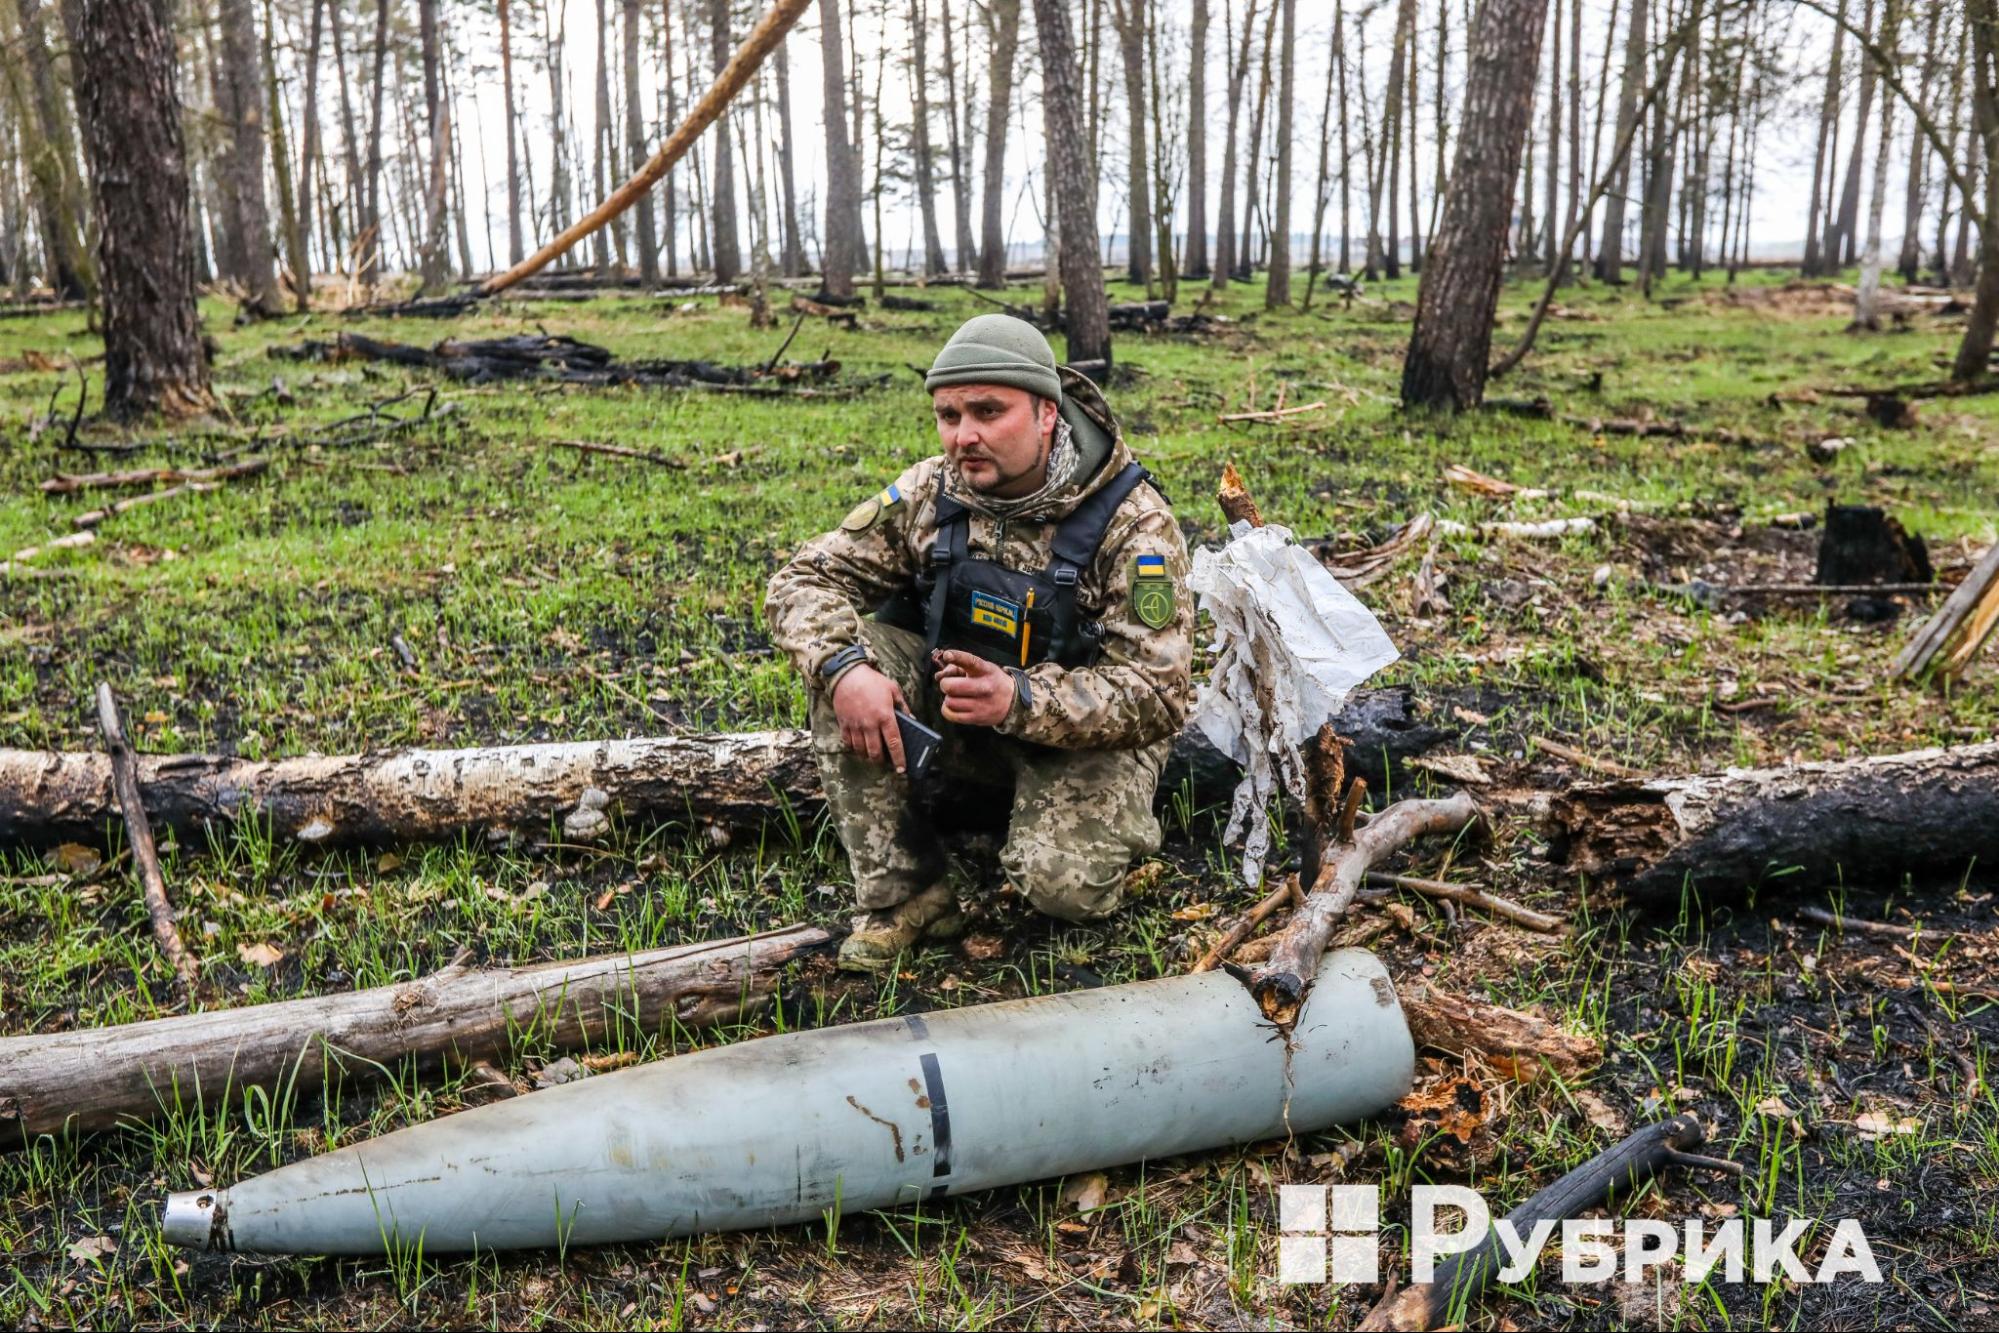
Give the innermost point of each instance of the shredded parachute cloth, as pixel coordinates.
(1290, 645)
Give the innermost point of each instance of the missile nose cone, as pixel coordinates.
(196, 1219)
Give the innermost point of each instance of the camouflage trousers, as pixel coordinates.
(1079, 817)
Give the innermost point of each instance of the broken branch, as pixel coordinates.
(139, 832)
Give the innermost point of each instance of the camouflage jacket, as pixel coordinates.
(1137, 690)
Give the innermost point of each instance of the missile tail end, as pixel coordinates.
(197, 1220)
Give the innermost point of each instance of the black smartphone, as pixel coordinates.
(919, 744)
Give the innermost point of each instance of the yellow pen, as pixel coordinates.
(1026, 626)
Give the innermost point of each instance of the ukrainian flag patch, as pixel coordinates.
(996, 613)
(867, 511)
(1152, 596)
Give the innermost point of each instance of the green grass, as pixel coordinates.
(556, 595)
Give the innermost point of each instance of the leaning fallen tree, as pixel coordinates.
(1928, 812)
(735, 779)
(98, 1078)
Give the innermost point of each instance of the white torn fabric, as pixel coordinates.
(1290, 645)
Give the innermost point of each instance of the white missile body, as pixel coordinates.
(781, 1129)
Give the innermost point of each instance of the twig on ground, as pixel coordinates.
(139, 831)
(1820, 916)
(1583, 759)
(1468, 896)
(620, 451)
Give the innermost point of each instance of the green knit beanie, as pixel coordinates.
(997, 349)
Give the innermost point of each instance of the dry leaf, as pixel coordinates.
(1460, 768)
(984, 948)
(1087, 1192)
(1875, 1125)
(1195, 912)
(265, 954)
(386, 862)
(92, 1248)
(1774, 1107)
(1601, 1113)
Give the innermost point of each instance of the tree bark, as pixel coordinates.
(1322, 191)
(153, 357)
(515, 242)
(961, 185)
(738, 780)
(1929, 812)
(722, 238)
(1197, 264)
(670, 219)
(1002, 19)
(1245, 254)
(1072, 180)
(310, 156)
(792, 260)
(1224, 261)
(1840, 244)
(635, 148)
(1553, 166)
(843, 182)
(1128, 17)
(926, 176)
(601, 139)
(1518, 1044)
(103, 1078)
(52, 165)
(1452, 342)
(1910, 261)
(1277, 292)
(1867, 295)
(242, 109)
(1974, 351)
(1610, 251)
(371, 237)
(289, 226)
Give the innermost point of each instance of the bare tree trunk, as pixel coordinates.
(1658, 186)
(1245, 265)
(635, 148)
(243, 111)
(516, 246)
(1610, 252)
(1961, 271)
(52, 164)
(460, 208)
(1197, 263)
(373, 237)
(670, 218)
(1346, 150)
(926, 176)
(961, 183)
(1128, 16)
(1839, 248)
(722, 188)
(1002, 20)
(1451, 346)
(1867, 297)
(1163, 133)
(1322, 192)
(1596, 126)
(1910, 261)
(1575, 116)
(843, 190)
(1828, 123)
(350, 140)
(1071, 180)
(1224, 261)
(309, 139)
(131, 115)
(793, 260)
(600, 139)
(1392, 131)
(437, 123)
(1278, 291)
(1411, 119)
(281, 171)
(1553, 166)
(1974, 353)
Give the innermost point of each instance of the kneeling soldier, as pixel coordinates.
(1023, 593)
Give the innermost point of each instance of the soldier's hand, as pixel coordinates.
(976, 692)
(864, 702)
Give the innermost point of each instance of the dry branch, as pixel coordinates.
(1279, 985)
(95, 1079)
(1518, 1044)
(1466, 896)
(1950, 638)
(763, 39)
(739, 779)
(65, 483)
(1927, 812)
(139, 832)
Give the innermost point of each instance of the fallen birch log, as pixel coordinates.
(1928, 813)
(735, 779)
(98, 1078)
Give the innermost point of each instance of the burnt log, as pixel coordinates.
(731, 779)
(100, 1078)
(1862, 544)
(1929, 813)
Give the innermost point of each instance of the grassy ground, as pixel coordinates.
(552, 594)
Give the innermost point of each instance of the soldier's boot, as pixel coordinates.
(880, 937)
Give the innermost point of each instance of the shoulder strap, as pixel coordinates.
(948, 548)
(1075, 545)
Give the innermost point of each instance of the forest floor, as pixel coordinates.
(547, 593)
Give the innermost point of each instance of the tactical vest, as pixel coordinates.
(1010, 616)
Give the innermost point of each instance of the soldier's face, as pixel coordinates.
(997, 436)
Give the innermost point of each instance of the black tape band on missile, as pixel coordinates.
(780, 1130)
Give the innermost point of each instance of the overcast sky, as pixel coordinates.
(1784, 150)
